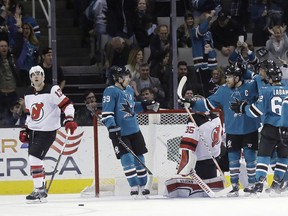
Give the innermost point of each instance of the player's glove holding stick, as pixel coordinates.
(70, 124)
(24, 135)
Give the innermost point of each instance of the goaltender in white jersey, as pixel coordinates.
(43, 105)
(199, 143)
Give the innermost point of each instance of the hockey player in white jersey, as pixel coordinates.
(43, 104)
(200, 142)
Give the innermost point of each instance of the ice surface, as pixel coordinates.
(68, 204)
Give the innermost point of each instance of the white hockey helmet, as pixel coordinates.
(36, 69)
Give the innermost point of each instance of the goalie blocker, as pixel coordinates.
(184, 187)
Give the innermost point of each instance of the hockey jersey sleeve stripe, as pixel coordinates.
(255, 111)
(64, 103)
(208, 105)
(285, 100)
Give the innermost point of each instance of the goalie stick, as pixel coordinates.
(150, 176)
(179, 93)
(58, 160)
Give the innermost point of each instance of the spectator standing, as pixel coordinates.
(258, 16)
(26, 51)
(9, 79)
(144, 25)
(184, 31)
(201, 36)
(243, 54)
(277, 45)
(120, 17)
(159, 44)
(47, 64)
(225, 33)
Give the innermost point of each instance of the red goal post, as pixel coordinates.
(162, 132)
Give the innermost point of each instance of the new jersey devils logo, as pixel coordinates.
(37, 112)
(216, 133)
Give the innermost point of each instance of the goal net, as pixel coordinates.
(162, 132)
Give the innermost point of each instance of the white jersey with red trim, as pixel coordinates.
(209, 130)
(44, 108)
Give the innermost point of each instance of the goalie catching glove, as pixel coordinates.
(238, 106)
(150, 105)
(70, 124)
(24, 135)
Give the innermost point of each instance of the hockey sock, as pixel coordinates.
(234, 166)
(141, 171)
(262, 167)
(37, 171)
(281, 167)
(127, 161)
(251, 161)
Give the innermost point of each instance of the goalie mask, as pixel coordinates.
(274, 73)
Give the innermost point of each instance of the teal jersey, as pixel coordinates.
(238, 124)
(119, 109)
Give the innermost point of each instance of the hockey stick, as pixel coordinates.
(179, 92)
(202, 184)
(150, 176)
(58, 160)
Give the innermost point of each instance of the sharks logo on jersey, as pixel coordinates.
(128, 109)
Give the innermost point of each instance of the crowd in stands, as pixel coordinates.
(210, 30)
(20, 49)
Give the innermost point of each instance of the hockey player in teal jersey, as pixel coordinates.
(119, 116)
(269, 107)
(241, 131)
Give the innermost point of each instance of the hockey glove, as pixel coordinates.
(186, 103)
(284, 135)
(238, 106)
(150, 105)
(23, 135)
(70, 124)
(114, 132)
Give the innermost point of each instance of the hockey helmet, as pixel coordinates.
(233, 70)
(274, 73)
(36, 69)
(118, 72)
(266, 64)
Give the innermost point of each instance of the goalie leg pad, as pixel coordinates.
(187, 188)
(187, 162)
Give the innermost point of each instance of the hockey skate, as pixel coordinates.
(274, 188)
(235, 191)
(253, 189)
(145, 192)
(38, 195)
(134, 192)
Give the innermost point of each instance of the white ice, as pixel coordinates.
(68, 204)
